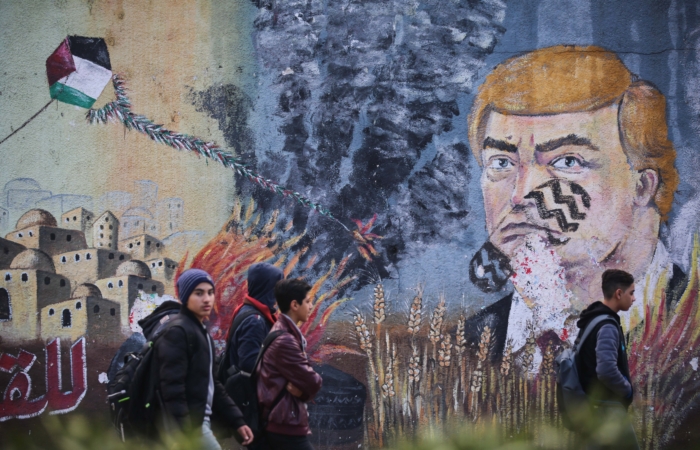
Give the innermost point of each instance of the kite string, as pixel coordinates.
(27, 122)
(120, 110)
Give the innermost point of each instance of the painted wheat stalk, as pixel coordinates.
(378, 311)
(436, 321)
(388, 386)
(507, 361)
(527, 365)
(506, 368)
(364, 339)
(435, 336)
(461, 348)
(548, 361)
(379, 304)
(414, 371)
(460, 339)
(482, 355)
(485, 342)
(416, 312)
(445, 352)
(528, 357)
(545, 382)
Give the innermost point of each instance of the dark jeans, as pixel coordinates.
(285, 442)
(259, 444)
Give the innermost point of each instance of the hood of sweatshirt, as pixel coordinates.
(151, 321)
(594, 310)
(262, 278)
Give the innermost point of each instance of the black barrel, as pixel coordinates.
(335, 415)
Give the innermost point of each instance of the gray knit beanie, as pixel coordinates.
(190, 279)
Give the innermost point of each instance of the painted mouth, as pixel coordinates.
(513, 231)
(523, 229)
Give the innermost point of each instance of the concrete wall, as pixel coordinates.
(463, 204)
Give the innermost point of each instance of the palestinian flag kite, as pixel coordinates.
(78, 70)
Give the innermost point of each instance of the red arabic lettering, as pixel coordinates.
(15, 402)
(63, 402)
(24, 361)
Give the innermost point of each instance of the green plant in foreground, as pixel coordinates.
(77, 432)
(473, 437)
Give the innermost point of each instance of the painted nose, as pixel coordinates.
(525, 183)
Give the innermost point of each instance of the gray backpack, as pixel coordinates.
(571, 399)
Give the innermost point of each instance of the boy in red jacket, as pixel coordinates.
(285, 361)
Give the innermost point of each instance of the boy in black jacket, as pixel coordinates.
(185, 362)
(602, 364)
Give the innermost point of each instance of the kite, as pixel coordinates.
(78, 71)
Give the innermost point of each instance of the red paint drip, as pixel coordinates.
(564, 334)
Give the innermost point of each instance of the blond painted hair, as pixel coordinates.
(567, 79)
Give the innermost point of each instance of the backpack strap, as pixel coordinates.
(265, 345)
(240, 317)
(269, 339)
(589, 329)
(237, 321)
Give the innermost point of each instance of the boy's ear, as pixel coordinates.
(293, 303)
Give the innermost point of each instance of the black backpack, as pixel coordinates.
(242, 388)
(225, 369)
(572, 401)
(134, 401)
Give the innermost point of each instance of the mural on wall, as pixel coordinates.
(84, 279)
(450, 179)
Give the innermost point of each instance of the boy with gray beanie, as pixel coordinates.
(184, 358)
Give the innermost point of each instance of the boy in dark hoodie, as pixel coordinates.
(602, 364)
(260, 307)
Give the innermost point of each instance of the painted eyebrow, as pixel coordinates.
(571, 139)
(490, 142)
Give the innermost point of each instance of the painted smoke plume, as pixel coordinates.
(361, 91)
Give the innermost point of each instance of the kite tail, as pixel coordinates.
(120, 111)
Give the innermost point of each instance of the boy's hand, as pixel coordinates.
(246, 434)
(295, 391)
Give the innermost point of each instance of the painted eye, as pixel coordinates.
(567, 162)
(500, 163)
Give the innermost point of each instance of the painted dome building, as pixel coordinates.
(131, 278)
(85, 313)
(38, 229)
(27, 286)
